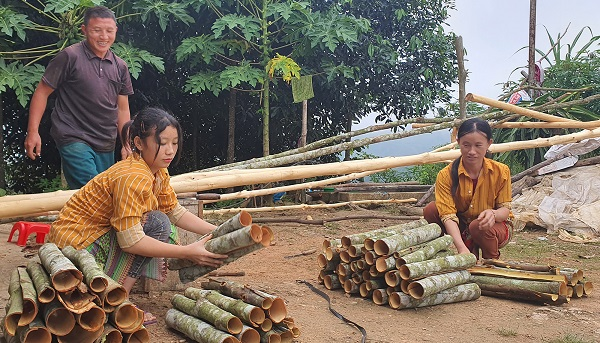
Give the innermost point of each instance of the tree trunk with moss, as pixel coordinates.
(464, 292)
(196, 329)
(250, 314)
(436, 266)
(208, 312)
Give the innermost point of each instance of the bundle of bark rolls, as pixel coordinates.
(236, 237)
(68, 298)
(531, 282)
(225, 311)
(404, 266)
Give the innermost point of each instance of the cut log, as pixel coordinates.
(555, 287)
(433, 284)
(464, 292)
(190, 274)
(251, 314)
(110, 335)
(240, 220)
(438, 265)
(426, 252)
(238, 291)
(59, 320)
(94, 276)
(63, 273)
(34, 332)
(14, 309)
(509, 292)
(360, 238)
(127, 317)
(515, 274)
(41, 281)
(208, 312)
(388, 245)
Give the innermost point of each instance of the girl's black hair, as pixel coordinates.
(468, 126)
(147, 120)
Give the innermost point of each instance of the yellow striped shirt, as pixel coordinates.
(115, 199)
(493, 191)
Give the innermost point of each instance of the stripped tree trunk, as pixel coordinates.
(425, 253)
(346, 241)
(509, 292)
(196, 329)
(251, 314)
(437, 283)
(209, 312)
(238, 291)
(464, 292)
(555, 287)
(403, 240)
(438, 265)
(95, 278)
(63, 273)
(41, 281)
(189, 274)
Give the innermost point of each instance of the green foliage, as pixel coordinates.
(135, 57)
(19, 78)
(570, 338)
(12, 22)
(284, 66)
(425, 174)
(2, 192)
(507, 332)
(164, 11)
(249, 27)
(50, 185)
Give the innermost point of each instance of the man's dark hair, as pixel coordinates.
(98, 12)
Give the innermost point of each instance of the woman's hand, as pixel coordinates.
(487, 219)
(198, 254)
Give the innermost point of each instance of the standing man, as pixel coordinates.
(92, 87)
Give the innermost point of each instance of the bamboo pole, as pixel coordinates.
(433, 284)
(95, 278)
(251, 314)
(41, 281)
(518, 265)
(63, 273)
(464, 292)
(58, 319)
(403, 240)
(208, 312)
(438, 265)
(555, 287)
(515, 109)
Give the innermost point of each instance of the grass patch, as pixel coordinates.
(506, 332)
(569, 338)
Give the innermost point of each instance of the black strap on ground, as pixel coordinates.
(335, 313)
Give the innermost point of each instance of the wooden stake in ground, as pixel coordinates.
(63, 273)
(464, 292)
(196, 329)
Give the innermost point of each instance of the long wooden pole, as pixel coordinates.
(515, 109)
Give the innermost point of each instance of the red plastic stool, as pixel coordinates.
(27, 228)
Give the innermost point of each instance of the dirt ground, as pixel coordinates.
(483, 320)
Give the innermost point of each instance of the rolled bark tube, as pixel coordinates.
(14, 309)
(332, 255)
(370, 257)
(360, 238)
(248, 335)
(208, 312)
(95, 278)
(141, 335)
(248, 313)
(59, 320)
(267, 236)
(380, 296)
(266, 325)
(331, 243)
(240, 220)
(127, 317)
(196, 329)
(588, 287)
(345, 256)
(326, 264)
(511, 292)
(555, 287)
(332, 282)
(438, 265)
(390, 290)
(63, 273)
(355, 250)
(393, 278)
(29, 297)
(433, 284)
(34, 332)
(77, 300)
(426, 252)
(270, 336)
(351, 287)
(358, 278)
(404, 285)
(285, 334)
(388, 245)
(578, 290)
(234, 240)
(295, 332)
(343, 269)
(41, 281)
(278, 310)
(92, 319)
(79, 335)
(384, 264)
(363, 291)
(375, 283)
(464, 292)
(238, 291)
(110, 334)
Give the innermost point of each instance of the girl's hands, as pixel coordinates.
(198, 254)
(487, 219)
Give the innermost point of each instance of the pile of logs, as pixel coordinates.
(530, 282)
(68, 298)
(228, 312)
(404, 266)
(236, 237)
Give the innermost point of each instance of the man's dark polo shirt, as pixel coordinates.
(87, 89)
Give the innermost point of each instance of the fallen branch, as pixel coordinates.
(327, 220)
(303, 253)
(219, 274)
